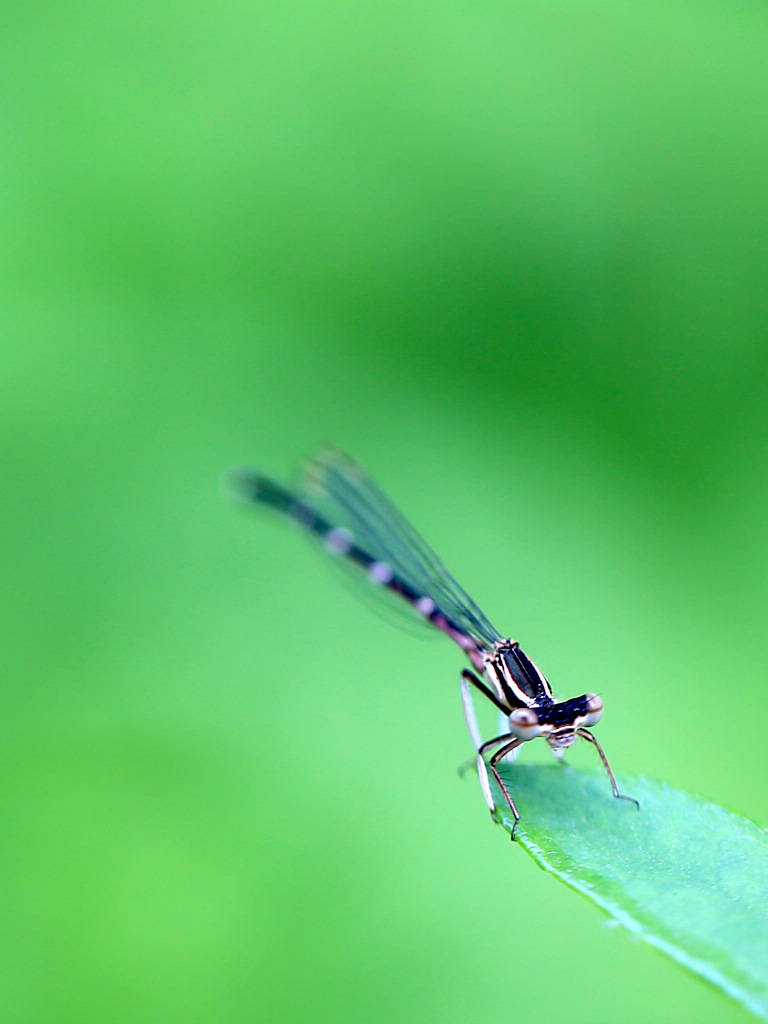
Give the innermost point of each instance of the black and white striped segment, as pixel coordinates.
(340, 540)
(341, 506)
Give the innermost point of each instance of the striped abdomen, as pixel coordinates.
(339, 541)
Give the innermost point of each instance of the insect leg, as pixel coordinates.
(502, 752)
(468, 677)
(585, 734)
(474, 732)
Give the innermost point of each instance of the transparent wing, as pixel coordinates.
(341, 489)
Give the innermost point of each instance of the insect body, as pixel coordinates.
(342, 507)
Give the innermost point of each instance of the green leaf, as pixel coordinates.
(686, 875)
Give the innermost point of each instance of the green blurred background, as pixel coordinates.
(513, 257)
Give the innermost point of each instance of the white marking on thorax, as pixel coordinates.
(542, 679)
(338, 540)
(380, 572)
(426, 606)
(491, 674)
(498, 667)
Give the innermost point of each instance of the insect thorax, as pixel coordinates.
(515, 678)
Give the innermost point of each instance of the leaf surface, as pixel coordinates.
(686, 875)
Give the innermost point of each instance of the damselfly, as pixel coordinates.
(341, 506)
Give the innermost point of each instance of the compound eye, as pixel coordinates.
(594, 709)
(524, 722)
